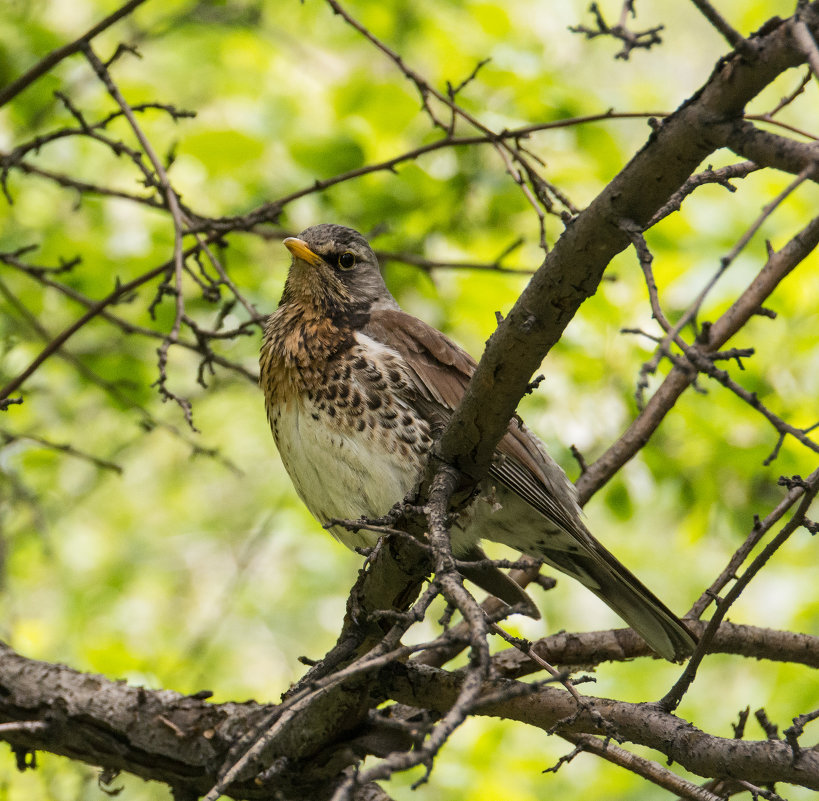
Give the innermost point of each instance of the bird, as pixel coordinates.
(356, 392)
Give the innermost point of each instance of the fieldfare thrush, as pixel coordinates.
(356, 391)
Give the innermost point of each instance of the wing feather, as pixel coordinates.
(440, 371)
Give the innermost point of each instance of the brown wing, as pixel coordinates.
(441, 370)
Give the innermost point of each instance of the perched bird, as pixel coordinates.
(356, 391)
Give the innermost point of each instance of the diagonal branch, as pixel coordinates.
(672, 699)
(573, 269)
(56, 56)
(777, 267)
(732, 36)
(652, 771)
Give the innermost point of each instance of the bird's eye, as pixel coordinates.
(346, 260)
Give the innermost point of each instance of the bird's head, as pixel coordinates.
(335, 273)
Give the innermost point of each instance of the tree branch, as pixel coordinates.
(56, 56)
(182, 740)
(779, 264)
(553, 709)
(573, 269)
(771, 150)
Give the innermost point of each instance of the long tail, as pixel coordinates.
(625, 594)
(540, 516)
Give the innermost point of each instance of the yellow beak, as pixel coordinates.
(299, 248)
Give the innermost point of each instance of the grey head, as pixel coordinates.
(335, 271)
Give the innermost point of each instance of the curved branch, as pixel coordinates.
(573, 269)
(555, 710)
(184, 740)
(56, 56)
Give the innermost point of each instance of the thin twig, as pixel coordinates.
(721, 176)
(41, 275)
(451, 585)
(673, 697)
(632, 40)
(646, 768)
(759, 529)
(56, 56)
(425, 89)
(382, 654)
(672, 333)
(732, 36)
(172, 202)
(7, 437)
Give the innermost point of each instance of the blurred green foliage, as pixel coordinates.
(187, 570)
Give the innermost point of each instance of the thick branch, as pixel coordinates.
(593, 647)
(156, 735)
(183, 740)
(552, 709)
(572, 271)
(771, 150)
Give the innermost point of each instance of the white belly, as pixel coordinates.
(339, 472)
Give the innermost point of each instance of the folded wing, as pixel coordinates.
(440, 371)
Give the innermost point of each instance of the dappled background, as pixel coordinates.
(173, 552)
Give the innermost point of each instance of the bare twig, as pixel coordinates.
(56, 56)
(54, 346)
(779, 264)
(172, 203)
(535, 194)
(721, 176)
(646, 768)
(632, 40)
(41, 275)
(82, 187)
(672, 333)
(451, 585)
(383, 653)
(791, 96)
(733, 37)
(705, 365)
(794, 732)
(7, 438)
(767, 210)
(673, 697)
(760, 528)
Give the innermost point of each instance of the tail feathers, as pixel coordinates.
(626, 595)
(649, 617)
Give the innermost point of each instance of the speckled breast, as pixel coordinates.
(350, 440)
